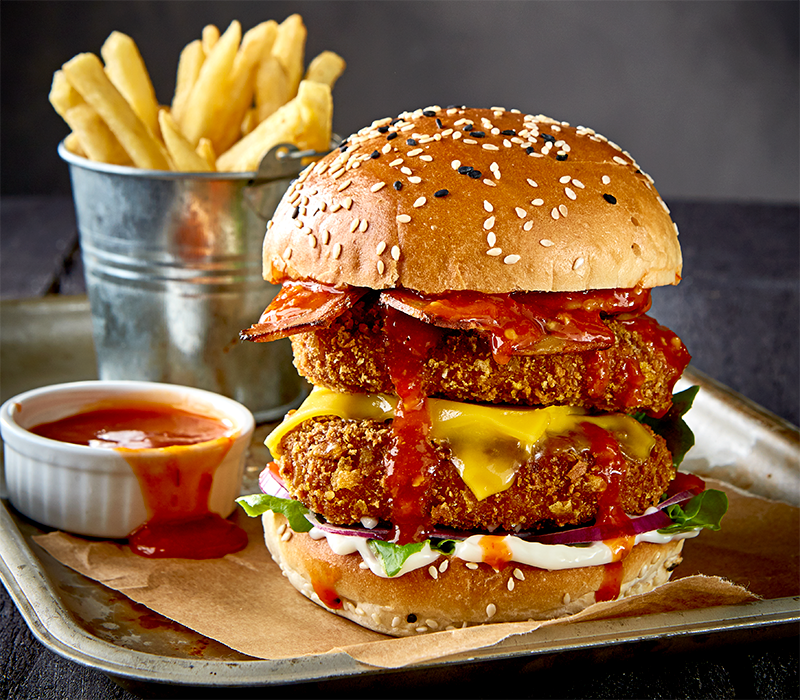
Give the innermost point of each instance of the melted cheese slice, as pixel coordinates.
(488, 444)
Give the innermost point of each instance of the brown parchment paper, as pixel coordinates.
(243, 601)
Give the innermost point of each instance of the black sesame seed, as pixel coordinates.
(561, 156)
(395, 121)
(610, 198)
(428, 113)
(441, 193)
(464, 169)
(411, 142)
(343, 147)
(529, 150)
(412, 618)
(509, 132)
(548, 137)
(375, 154)
(296, 212)
(475, 174)
(391, 136)
(439, 123)
(478, 134)
(468, 127)
(383, 129)
(398, 185)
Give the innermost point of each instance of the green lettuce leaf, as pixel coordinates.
(704, 510)
(672, 427)
(259, 503)
(393, 556)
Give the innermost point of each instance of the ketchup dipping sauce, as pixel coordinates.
(181, 449)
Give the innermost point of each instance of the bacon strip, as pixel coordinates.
(300, 307)
(527, 323)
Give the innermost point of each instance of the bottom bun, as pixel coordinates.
(449, 594)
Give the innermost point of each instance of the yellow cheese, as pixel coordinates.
(488, 444)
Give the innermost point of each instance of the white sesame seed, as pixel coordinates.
(354, 225)
(472, 565)
(336, 175)
(566, 599)
(554, 213)
(288, 252)
(426, 158)
(443, 566)
(578, 183)
(546, 242)
(395, 620)
(336, 206)
(419, 202)
(323, 205)
(363, 226)
(510, 584)
(421, 629)
(563, 209)
(414, 152)
(396, 162)
(570, 193)
(281, 529)
(326, 236)
(433, 571)
(488, 206)
(519, 575)
(456, 135)
(377, 186)
(511, 259)
(578, 263)
(403, 218)
(606, 179)
(521, 213)
(507, 143)
(489, 223)
(446, 132)
(527, 226)
(414, 179)
(491, 239)
(405, 170)
(565, 179)
(470, 141)
(494, 252)
(347, 203)
(337, 250)
(621, 161)
(395, 252)
(344, 185)
(380, 248)
(381, 267)
(286, 536)
(490, 147)
(489, 182)
(455, 165)
(537, 202)
(432, 624)
(386, 148)
(491, 610)
(312, 241)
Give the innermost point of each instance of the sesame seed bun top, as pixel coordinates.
(488, 200)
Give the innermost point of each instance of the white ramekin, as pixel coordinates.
(94, 491)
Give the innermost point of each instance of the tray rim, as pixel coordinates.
(52, 624)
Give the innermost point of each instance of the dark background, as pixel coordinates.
(703, 94)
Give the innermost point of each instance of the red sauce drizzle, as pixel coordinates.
(329, 597)
(496, 552)
(175, 480)
(411, 458)
(610, 513)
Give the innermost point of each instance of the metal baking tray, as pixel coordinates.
(49, 340)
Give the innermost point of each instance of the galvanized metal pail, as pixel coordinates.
(173, 273)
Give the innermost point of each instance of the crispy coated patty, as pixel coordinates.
(350, 356)
(335, 467)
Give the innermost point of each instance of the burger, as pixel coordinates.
(492, 434)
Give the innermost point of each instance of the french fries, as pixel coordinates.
(236, 97)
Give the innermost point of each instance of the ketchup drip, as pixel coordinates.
(610, 513)
(411, 458)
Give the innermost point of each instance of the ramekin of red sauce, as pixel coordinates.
(158, 464)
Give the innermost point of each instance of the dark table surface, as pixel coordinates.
(737, 310)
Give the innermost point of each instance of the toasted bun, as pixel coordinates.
(457, 596)
(554, 208)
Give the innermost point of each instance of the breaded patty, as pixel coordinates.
(336, 468)
(351, 356)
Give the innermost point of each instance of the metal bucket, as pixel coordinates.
(173, 273)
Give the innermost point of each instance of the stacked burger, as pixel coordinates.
(492, 434)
